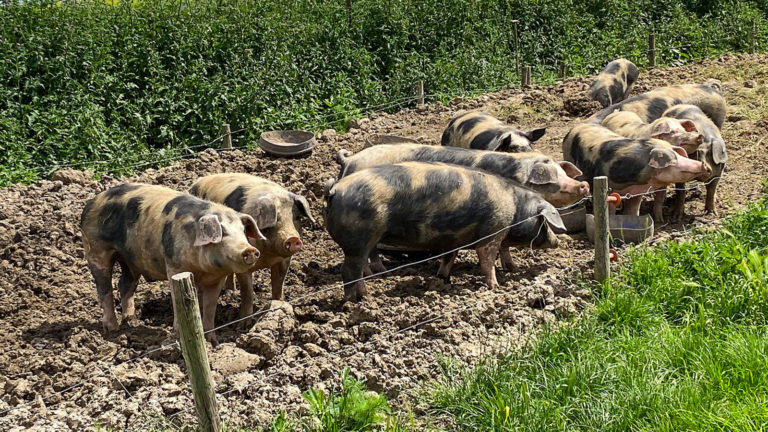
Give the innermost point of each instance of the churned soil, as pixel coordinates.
(59, 371)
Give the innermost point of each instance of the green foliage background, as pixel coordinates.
(128, 82)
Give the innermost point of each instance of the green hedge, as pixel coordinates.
(130, 82)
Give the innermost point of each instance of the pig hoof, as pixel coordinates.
(377, 267)
(131, 321)
(211, 337)
(109, 326)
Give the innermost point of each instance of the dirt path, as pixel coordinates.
(50, 333)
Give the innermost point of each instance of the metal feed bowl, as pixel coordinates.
(624, 228)
(287, 142)
(379, 139)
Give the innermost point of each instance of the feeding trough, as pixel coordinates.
(287, 142)
(379, 139)
(574, 219)
(624, 228)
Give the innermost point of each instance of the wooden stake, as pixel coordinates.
(602, 257)
(191, 336)
(525, 79)
(563, 70)
(652, 50)
(752, 38)
(420, 91)
(226, 142)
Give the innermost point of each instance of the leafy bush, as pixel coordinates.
(124, 82)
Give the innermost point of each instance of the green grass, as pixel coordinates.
(676, 341)
(135, 82)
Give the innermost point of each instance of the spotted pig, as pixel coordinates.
(552, 179)
(711, 152)
(156, 232)
(614, 83)
(481, 131)
(433, 207)
(632, 165)
(681, 133)
(277, 212)
(651, 105)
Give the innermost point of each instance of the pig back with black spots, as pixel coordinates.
(555, 180)
(280, 215)
(431, 207)
(481, 131)
(155, 232)
(651, 105)
(614, 83)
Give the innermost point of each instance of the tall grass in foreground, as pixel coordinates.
(677, 341)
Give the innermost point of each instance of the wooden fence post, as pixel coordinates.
(652, 50)
(563, 70)
(191, 336)
(752, 37)
(226, 141)
(600, 205)
(525, 79)
(420, 91)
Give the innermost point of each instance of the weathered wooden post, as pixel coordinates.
(420, 91)
(526, 76)
(226, 141)
(191, 336)
(752, 37)
(563, 70)
(652, 50)
(600, 205)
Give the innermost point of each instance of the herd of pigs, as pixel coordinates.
(485, 188)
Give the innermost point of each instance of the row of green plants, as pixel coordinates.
(115, 83)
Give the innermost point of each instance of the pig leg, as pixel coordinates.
(230, 283)
(446, 264)
(679, 210)
(506, 258)
(709, 207)
(101, 265)
(279, 272)
(486, 254)
(352, 270)
(658, 205)
(209, 296)
(377, 266)
(129, 279)
(245, 281)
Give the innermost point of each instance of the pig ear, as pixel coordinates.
(252, 230)
(553, 218)
(688, 125)
(505, 143)
(265, 211)
(303, 205)
(208, 230)
(662, 158)
(570, 169)
(718, 152)
(681, 151)
(533, 135)
(542, 173)
(661, 128)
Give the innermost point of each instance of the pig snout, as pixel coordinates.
(583, 188)
(250, 256)
(293, 245)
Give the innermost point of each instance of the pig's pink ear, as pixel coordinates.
(542, 173)
(688, 125)
(681, 151)
(570, 169)
(265, 211)
(662, 158)
(208, 230)
(252, 230)
(660, 128)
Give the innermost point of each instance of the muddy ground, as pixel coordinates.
(50, 330)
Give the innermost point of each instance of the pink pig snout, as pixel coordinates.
(293, 245)
(251, 255)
